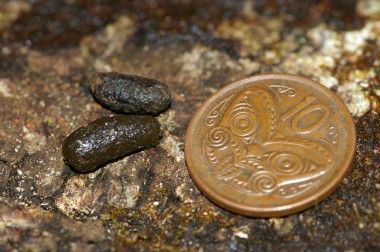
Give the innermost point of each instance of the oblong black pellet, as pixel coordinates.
(130, 94)
(109, 138)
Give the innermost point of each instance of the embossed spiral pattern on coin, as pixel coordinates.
(270, 145)
(218, 137)
(263, 182)
(286, 163)
(211, 118)
(243, 122)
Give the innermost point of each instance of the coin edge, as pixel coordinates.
(270, 211)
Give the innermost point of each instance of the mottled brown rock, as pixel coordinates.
(130, 94)
(4, 174)
(35, 229)
(109, 138)
(147, 201)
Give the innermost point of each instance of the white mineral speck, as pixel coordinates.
(328, 81)
(241, 235)
(367, 8)
(4, 89)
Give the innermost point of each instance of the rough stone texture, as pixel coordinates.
(35, 229)
(147, 201)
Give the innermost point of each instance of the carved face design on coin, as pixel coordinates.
(251, 157)
(270, 145)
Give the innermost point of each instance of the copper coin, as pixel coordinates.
(270, 145)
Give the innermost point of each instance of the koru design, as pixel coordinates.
(247, 153)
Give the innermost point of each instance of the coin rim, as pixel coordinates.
(287, 209)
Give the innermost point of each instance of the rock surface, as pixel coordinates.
(50, 49)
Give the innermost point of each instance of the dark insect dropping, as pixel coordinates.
(130, 94)
(109, 138)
